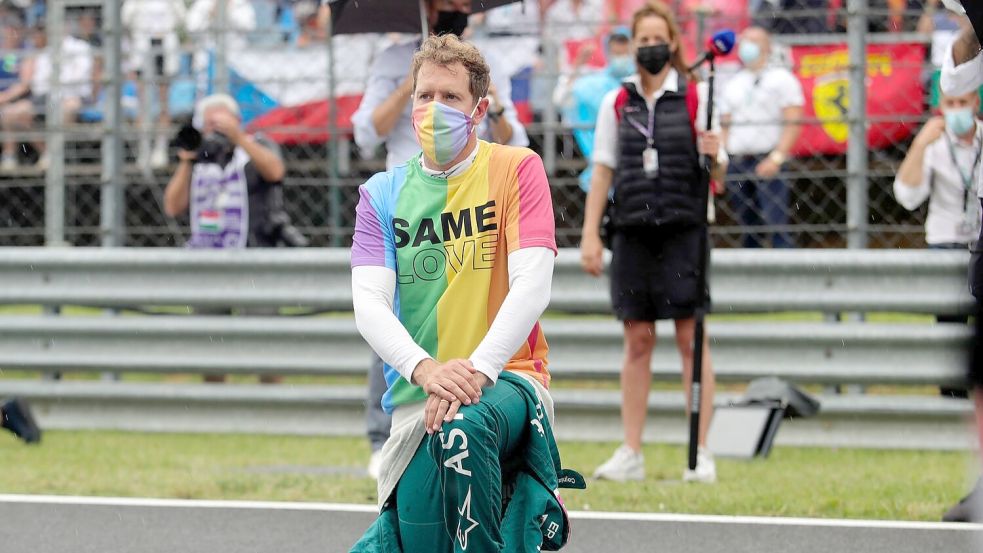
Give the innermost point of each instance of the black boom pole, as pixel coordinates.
(703, 287)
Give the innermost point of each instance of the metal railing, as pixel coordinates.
(806, 350)
(742, 281)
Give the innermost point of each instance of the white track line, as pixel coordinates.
(584, 515)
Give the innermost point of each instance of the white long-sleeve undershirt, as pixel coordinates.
(530, 281)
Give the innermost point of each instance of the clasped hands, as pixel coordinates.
(448, 386)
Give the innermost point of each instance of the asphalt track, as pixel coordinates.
(53, 524)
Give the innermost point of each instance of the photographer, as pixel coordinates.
(231, 182)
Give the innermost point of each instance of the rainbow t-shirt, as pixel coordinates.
(448, 241)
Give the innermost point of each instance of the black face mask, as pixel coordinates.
(450, 22)
(215, 147)
(653, 58)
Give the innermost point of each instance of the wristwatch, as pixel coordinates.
(494, 115)
(777, 157)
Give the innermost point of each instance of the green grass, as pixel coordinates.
(900, 485)
(789, 316)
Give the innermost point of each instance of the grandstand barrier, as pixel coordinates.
(776, 317)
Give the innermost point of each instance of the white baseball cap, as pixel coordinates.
(955, 5)
(214, 100)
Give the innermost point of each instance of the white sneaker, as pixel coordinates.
(8, 164)
(375, 464)
(706, 468)
(43, 162)
(625, 464)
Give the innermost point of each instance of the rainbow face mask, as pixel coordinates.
(442, 131)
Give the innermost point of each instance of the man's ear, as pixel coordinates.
(480, 111)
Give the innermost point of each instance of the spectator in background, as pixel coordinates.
(650, 134)
(895, 14)
(579, 96)
(75, 81)
(312, 31)
(229, 180)
(155, 49)
(88, 28)
(15, 85)
(761, 109)
(204, 26)
(573, 25)
(790, 17)
(385, 117)
(16, 416)
(31, 12)
(230, 184)
(934, 20)
(942, 167)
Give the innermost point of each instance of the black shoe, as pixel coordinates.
(969, 508)
(17, 417)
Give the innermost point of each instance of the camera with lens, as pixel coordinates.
(187, 138)
(212, 146)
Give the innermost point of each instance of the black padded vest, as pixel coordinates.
(673, 196)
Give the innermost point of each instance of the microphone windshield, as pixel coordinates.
(722, 42)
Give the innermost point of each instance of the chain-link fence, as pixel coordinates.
(61, 181)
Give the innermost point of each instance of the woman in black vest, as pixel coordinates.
(647, 149)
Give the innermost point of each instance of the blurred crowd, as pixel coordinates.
(555, 59)
(169, 48)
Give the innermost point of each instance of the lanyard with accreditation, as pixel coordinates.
(650, 156)
(970, 208)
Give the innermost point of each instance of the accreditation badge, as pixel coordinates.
(650, 162)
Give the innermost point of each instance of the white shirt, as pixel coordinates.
(606, 131)
(240, 19)
(146, 19)
(388, 70)
(76, 70)
(755, 102)
(962, 79)
(953, 209)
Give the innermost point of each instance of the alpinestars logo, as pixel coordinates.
(465, 512)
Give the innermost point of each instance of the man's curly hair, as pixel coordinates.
(446, 50)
